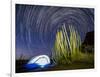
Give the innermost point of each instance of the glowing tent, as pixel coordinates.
(40, 61)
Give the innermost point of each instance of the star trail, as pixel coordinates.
(36, 26)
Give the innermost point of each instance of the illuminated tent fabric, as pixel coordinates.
(40, 61)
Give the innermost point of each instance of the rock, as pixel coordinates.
(89, 39)
(88, 44)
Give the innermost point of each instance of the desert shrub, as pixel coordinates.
(67, 47)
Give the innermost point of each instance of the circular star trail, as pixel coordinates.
(36, 26)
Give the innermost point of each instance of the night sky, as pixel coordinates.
(36, 27)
